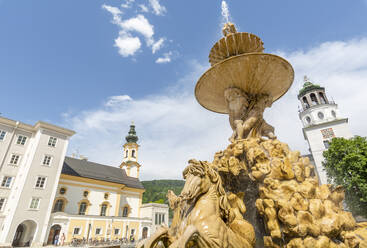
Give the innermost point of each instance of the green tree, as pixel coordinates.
(346, 165)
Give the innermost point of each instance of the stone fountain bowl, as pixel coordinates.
(254, 73)
(235, 44)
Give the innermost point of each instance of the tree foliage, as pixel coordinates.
(156, 190)
(346, 164)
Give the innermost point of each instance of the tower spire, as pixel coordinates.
(132, 137)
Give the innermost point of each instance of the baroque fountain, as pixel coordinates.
(257, 192)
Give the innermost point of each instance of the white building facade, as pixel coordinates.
(321, 121)
(31, 159)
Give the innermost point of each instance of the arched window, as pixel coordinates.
(305, 102)
(82, 208)
(125, 211)
(126, 153)
(322, 98)
(133, 154)
(59, 205)
(314, 99)
(103, 209)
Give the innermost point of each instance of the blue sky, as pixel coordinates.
(59, 63)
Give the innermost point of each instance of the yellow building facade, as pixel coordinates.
(95, 201)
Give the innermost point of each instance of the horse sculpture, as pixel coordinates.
(203, 215)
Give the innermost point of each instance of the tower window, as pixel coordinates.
(326, 144)
(314, 99)
(59, 205)
(126, 153)
(333, 113)
(14, 159)
(322, 98)
(2, 135)
(133, 154)
(305, 102)
(320, 115)
(82, 208)
(103, 209)
(35, 203)
(41, 182)
(125, 212)
(308, 119)
(21, 140)
(52, 141)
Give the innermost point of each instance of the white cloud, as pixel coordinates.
(158, 9)
(127, 45)
(116, 13)
(165, 59)
(173, 127)
(141, 25)
(157, 45)
(115, 100)
(127, 4)
(143, 8)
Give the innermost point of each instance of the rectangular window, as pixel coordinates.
(76, 231)
(52, 141)
(35, 203)
(117, 231)
(14, 160)
(21, 140)
(41, 182)
(98, 231)
(6, 182)
(2, 204)
(326, 144)
(2, 134)
(156, 219)
(46, 160)
(163, 218)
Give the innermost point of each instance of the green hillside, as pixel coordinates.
(156, 190)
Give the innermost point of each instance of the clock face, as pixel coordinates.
(320, 115)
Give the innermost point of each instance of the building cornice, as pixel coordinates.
(36, 127)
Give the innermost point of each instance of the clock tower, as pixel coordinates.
(321, 122)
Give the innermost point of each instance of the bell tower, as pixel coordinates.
(130, 154)
(321, 122)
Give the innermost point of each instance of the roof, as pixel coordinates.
(308, 86)
(83, 168)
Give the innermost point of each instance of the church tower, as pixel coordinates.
(130, 154)
(321, 122)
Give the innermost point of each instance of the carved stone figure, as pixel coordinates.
(283, 204)
(203, 215)
(246, 114)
